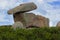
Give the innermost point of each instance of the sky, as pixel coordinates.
(47, 8)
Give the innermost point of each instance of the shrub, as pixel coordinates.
(8, 33)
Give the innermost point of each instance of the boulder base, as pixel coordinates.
(30, 19)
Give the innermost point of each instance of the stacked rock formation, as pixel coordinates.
(28, 19)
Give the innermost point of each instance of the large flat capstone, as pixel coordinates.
(23, 8)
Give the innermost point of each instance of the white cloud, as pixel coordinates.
(2, 18)
(51, 0)
(9, 3)
(5, 5)
(40, 1)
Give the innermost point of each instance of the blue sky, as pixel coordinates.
(46, 8)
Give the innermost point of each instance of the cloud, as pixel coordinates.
(51, 0)
(9, 3)
(55, 4)
(5, 5)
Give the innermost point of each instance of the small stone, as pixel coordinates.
(18, 25)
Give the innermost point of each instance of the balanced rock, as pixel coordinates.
(58, 24)
(23, 19)
(23, 8)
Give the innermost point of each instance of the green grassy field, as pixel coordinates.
(8, 33)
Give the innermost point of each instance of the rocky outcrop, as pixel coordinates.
(21, 17)
(58, 24)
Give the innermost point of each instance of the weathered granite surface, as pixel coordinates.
(23, 8)
(30, 19)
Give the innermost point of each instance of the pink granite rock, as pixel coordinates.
(58, 24)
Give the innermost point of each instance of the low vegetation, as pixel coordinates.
(8, 33)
